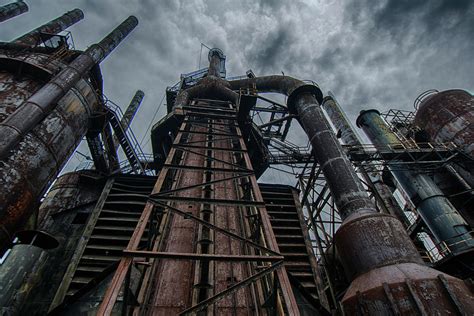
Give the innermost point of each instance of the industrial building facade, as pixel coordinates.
(369, 229)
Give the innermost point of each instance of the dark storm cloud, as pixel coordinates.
(371, 54)
(273, 50)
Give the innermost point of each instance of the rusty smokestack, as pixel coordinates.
(216, 62)
(130, 112)
(12, 9)
(349, 137)
(50, 28)
(40, 104)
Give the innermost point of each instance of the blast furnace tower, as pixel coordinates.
(368, 229)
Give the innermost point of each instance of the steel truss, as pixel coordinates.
(209, 147)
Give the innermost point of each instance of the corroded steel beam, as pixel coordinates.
(50, 28)
(12, 9)
(40, 104)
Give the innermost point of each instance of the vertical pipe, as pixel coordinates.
(216, 57)
(12, 9)
(40, 104)
(349, 137)
(50, 28)
(441, 217)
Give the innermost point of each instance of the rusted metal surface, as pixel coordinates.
(384, 197)
(208, 87)
(412, 290)
(42, 153)
(11, 10)
(441, 217)
(47, 30)
(448, 116)
(22, 269)
(43, 101)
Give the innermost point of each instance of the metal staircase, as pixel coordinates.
(281, 202)
(107, 233)
(129, 149)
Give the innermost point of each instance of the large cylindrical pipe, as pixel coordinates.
(441, 217)
(22, 269)
(382, 192)
(40, 104)
(50, 28)
(12, 9)
(375, 250)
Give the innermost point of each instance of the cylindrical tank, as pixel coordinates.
(42, 153)
(64, 214)
(22, 269)
(448, 116)
(42, 122)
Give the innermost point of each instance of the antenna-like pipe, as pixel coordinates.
(12, 9)
(130, 112)
(40, 104)
(55, 26)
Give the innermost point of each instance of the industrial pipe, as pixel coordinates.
(50, 28)
(216, 58)
(132, 109)
(349, 137)
(40, 104)
(375, 250)
(12, 9)
(441, 217)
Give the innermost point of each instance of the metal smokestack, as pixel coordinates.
(40, 104)
(12, 9)
(130, 113)
(55, 26)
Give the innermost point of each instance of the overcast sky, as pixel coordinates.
(370, 54)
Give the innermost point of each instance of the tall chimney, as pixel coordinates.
(55, 26)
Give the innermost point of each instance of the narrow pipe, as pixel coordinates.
(12, 9)
(349, 137)
(129, 114)
(40, 104)
(441, 217)
(33, 38)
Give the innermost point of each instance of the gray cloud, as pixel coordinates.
(371, 54)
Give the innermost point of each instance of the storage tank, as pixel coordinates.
(448, 116)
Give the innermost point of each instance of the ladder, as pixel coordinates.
(126, 144)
